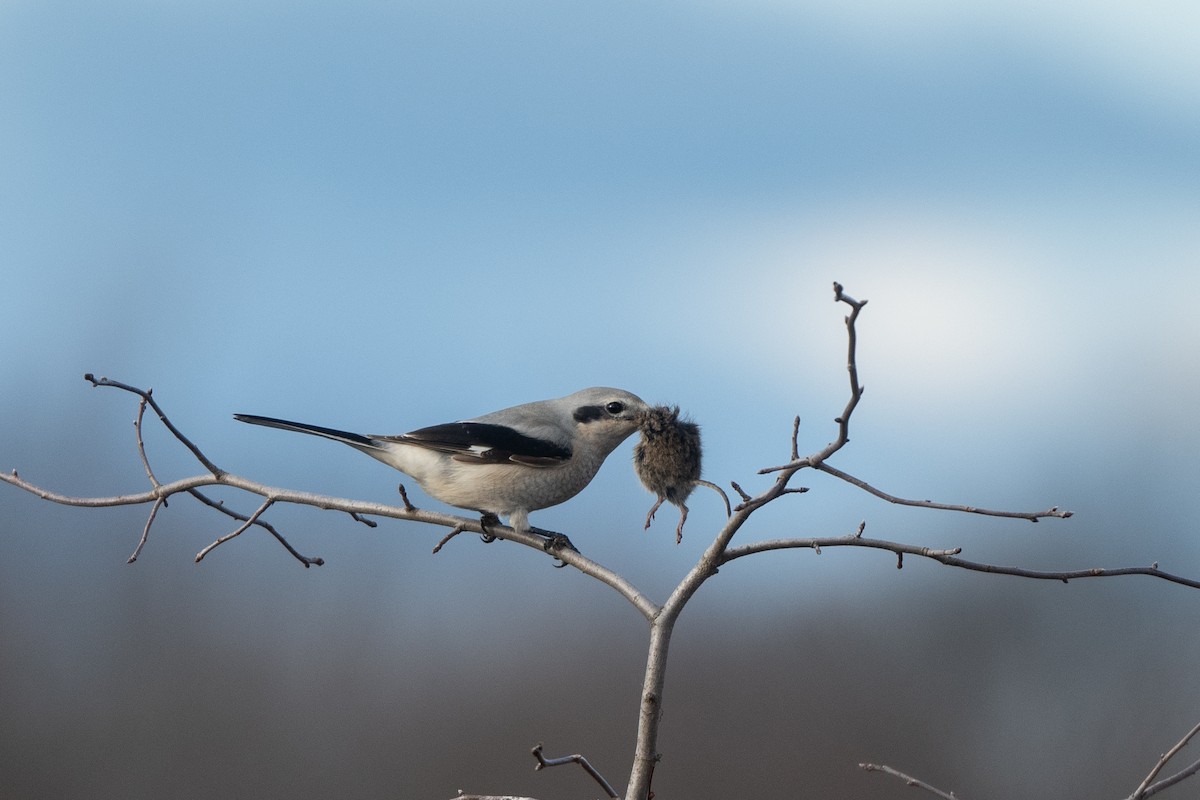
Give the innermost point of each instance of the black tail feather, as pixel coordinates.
(353, 439)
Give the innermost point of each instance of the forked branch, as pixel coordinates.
(721, 552)
(1149, 786)
(661, 618)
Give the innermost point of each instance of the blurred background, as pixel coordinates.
(379, 216)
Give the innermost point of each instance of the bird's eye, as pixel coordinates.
(614, 407)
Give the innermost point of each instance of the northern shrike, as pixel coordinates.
(667, 461)
(509, 462)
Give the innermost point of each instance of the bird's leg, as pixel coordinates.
(653, 510)
(682, 519)
(484, 521)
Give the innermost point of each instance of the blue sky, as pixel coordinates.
(380, 216)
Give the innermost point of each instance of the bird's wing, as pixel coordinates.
(486, 443)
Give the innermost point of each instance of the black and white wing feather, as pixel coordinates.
(486, 443)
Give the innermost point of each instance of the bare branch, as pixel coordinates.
(455, 531)
(544, 762)
(404, 499)
(137, 551)
(644, 605)
(950, 559)
(141, 445)
(660, 617)
(908, 780)
(1069, 575)
(241, 529)
(102, 502)
(146, 396)
(818, 460)
(856, 389)
(853, 540)
(648, 608)
(1031, 516)
(307, 561)
(719, 552)
(1147, 787)
(1167, 783)
(856, 392)
(663, 620)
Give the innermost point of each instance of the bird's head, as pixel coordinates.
(606, 415)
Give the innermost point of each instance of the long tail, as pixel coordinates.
(352, 439)
(720, 491)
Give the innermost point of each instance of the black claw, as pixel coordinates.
(484, 522)
(553, 542)
(558, 541)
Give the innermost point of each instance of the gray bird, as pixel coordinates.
(667, 460)
(508, 462)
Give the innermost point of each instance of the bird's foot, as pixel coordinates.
(554, 541)
(484, 522)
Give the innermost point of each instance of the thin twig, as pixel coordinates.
(750, 504)
(1144, 788)
(455, 531)
(1031, 516)
(240, 530)
(404, 499)
(307, 561)
(1066, 576)
(856, 389)
(949, 558)
(908, 780)
(852, 540)
(856, 392)
(141, 445)
(137, 551)
(1167, 783)
(544, 762)
(146, 396)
